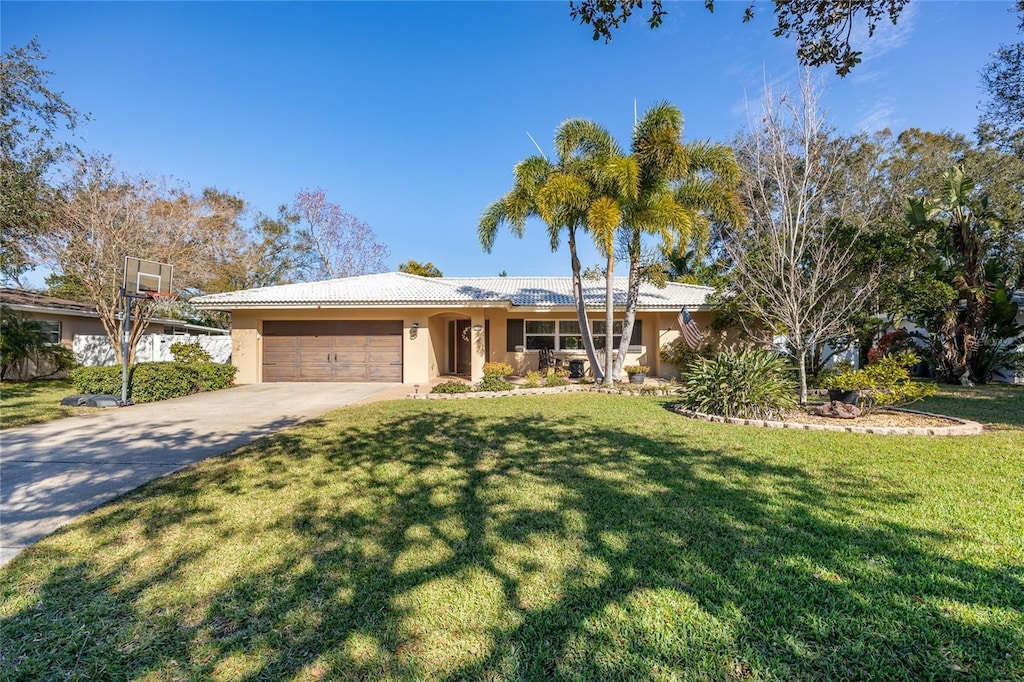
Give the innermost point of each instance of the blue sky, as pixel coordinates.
(412, 115)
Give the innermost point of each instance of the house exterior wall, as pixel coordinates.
(425, 350)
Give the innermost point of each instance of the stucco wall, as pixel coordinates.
(425, 352)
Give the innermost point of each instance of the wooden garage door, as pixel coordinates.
(368, 350)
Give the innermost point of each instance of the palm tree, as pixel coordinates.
(682, 187)
(613, 180)
(963, 222)
(573, 193)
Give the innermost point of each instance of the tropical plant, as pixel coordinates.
(748, 384)
(975, 319)
(24, 341)
(681, 189)
(566, 195)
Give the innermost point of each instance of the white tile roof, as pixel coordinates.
(402, 289)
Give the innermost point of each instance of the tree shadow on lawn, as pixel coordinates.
(436, 545)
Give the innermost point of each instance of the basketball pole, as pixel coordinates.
(126, 328)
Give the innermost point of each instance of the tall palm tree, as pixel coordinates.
(613, 180)
(682, 187)
(568, 194)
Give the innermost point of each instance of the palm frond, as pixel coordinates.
(578, 137)
(603, 219)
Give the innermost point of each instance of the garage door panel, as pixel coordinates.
(323, 372)
(385, 343)
(339, 350)
(384, 373)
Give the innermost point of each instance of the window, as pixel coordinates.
(564, 334)
(600, 334)
(51, 330)
(553, 335)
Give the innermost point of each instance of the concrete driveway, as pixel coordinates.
(51, 473)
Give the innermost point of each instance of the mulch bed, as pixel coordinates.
(876, 418)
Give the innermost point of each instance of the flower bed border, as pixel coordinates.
(963, 427)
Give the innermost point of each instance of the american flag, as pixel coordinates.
(691, 332)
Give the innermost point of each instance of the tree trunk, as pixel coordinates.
(581, 308)
(609, 322)
(801, 355)
(632, 296)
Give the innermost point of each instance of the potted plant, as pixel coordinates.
(844, 386)
(637, 373)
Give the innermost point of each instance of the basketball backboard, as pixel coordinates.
(143, 278)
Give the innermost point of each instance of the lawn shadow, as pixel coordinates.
(532, 546)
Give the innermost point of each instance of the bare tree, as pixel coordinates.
(104, 216)
(794, 259)
(335, 243)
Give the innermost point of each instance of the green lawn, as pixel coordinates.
(551, 537)
(32, 402)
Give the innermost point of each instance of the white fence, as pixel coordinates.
(97, 350)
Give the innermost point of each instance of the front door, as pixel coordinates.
(463, 347)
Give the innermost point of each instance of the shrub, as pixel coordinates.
(748, 384)
(189, 353)
(681, 356)
(497, 369)
(103, 380)
(452, 387)
(883, 383)
(555, 379)
(533, 379)
(152, 381)
(891, 344)
(636, 369)
(213, 376)
(495, 382)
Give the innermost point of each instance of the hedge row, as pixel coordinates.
(152, 381)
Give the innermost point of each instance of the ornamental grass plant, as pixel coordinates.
(746, 384)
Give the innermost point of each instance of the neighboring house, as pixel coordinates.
(70, 323)
(398, 327)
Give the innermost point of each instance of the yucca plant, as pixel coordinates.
(747, 384)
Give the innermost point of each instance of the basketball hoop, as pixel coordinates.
(161, 296)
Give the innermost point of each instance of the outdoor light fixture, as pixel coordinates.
(413, 329)
(478, 327)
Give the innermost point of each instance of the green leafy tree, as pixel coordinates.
(822, 30)
(23, 342)
(422, 269)
(67, 287)
(30, 115)
(261, 254)
(1003, 80)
